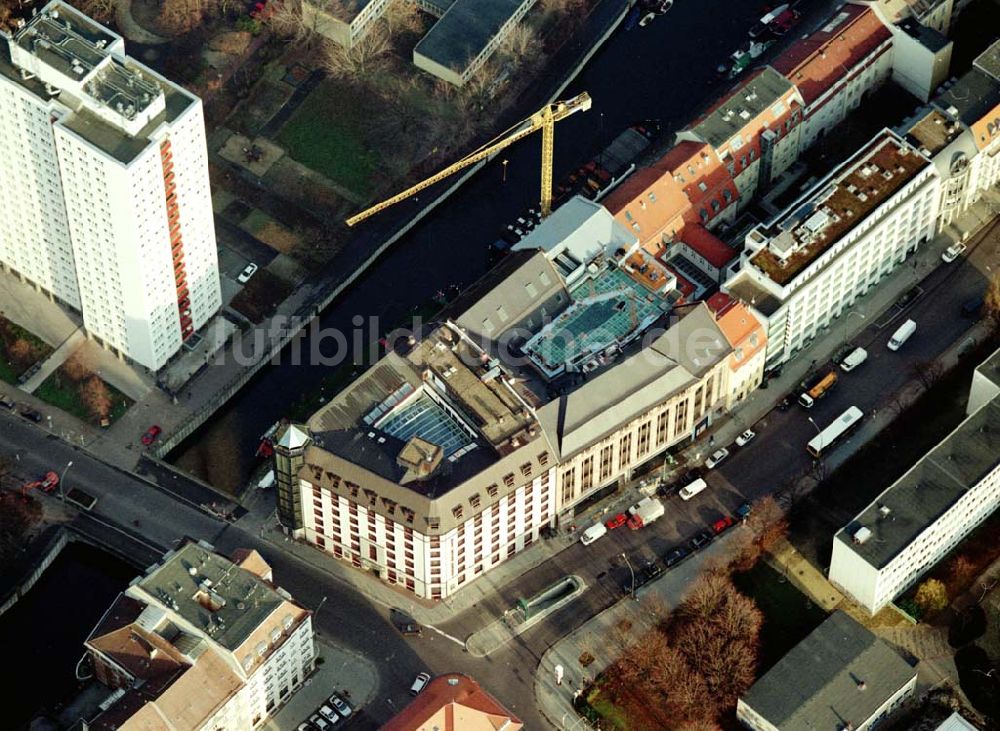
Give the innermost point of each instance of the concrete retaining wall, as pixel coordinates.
(49, 553)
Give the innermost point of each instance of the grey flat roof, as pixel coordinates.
(931, 39)
(631, 387)
(973, 95)
(464, 30)
(116, 143)
(929, 488)
(989, 60)
(990, 368)
(754, 295)
(751, 97)
(818, 684)
(248, 601)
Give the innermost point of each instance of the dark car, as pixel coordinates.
(743, 511)
(702, 539)
(972, 307)
(6, 402)
(652, 570)
(32, 415)
(675, 555)
(410, 629)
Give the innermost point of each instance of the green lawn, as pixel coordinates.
(327, 133)
(10, 371)
(63, 393)
(789, 615)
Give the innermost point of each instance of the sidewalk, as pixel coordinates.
(600, 637)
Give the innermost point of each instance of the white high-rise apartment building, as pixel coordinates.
(105, 163)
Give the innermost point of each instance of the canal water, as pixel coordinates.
(666, 71)
(42, 635)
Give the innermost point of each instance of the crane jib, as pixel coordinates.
(544, 119)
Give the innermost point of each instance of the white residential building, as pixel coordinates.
(809, 264)
(927, 512)
(200, 642)
(106, 164)
(841, 676)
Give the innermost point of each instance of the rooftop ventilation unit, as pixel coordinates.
(861, 535)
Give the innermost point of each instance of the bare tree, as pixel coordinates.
(402, 17)
(103, 11)
(521, 46)
(767, 523)
(960, 570)
(368, 56)
(21, 353)
(96, 397)
(991, 303)
(75, 368)
(928, 372)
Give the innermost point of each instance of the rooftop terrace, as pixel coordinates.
(213, 594)
(609, 309)
(933, 132)
(816, 222)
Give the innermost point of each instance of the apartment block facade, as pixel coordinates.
(106, 162)
(922, 516)
(200, 641)
(808, 265)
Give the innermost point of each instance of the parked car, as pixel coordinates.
(151, 434)
(745, 438)
(675, 555)
(853, 360)
(419, 683)
(716, 459)
(340, 704)
(743, 511)
(32, 415)
(248, 271)
(786, 403)
(616, 522)
(6, 402)
(723, 524)
(305, 726)
(410, 629)
(319, 722)
(597, 530)
(972, 307)
(702, 539)
(329, 714)
(953, 252)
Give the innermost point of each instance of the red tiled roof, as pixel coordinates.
(719, 303)
(704, 242)
(819, 61)
(447, 697)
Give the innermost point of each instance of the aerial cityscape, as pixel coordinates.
(485, 365)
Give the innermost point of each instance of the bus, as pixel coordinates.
(836, 431)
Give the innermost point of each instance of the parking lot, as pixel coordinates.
(350, 676)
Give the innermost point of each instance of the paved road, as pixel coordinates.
(346, 617)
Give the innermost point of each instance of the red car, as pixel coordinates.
(723, 524)
(151, 434)
(616, 522)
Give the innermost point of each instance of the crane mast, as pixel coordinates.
(544, 119)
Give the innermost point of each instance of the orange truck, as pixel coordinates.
(817, 387)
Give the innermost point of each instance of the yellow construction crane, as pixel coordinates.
(544, 119)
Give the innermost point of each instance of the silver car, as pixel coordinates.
(716, 458)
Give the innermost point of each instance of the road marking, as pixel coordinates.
(446, 635)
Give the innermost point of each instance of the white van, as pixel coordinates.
(689, 491)
(902, 335)
(853, 360)
(597, 530)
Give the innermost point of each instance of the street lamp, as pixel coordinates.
(62, 479)
(988, 675)
(847, 318)
(815, 425)
(503, 178)
(631, 571)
